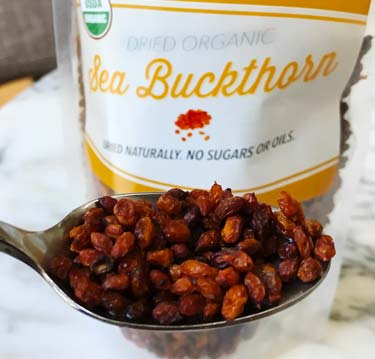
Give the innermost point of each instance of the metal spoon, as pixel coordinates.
(37, 248)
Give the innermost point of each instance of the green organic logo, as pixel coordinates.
(97, 15)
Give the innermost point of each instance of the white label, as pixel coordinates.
(262, 84)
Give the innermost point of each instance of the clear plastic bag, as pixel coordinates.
(261, 112)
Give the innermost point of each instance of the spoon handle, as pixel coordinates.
(16, 242)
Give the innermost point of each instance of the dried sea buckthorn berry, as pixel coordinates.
(180, 250)
(139, 282)
(191, 304)
(60, 266)
(182, 286)
(175, 272)
(130, 263)
(287, 269)
(209, 288)
(234, 302)
(263, 222)
(123, 245)
(324, 248)
(207, 240)
(177, 231)
(110, 220)
(161, 218)
(107, 203)
(197, 269)
(228, 277)
(216, 193)
(196, 193)
(101, 242)
(251, 203)
(285, 224)
(192, 215)
(93, 217)
(250, 246)
(80, 236)
(271, 280)
(144, 231)
(232, 229)
(87, 291)
(169, 204)
(239, 260)
(309, 270)
(229, 207)
(203, 203)
(78, 275)
(137, 310)
(177, 193)
(313, 227)
(113, 230)
(166, 313)
(255, 288)
(143, 208)
(159, 279)
(116, 282)
(124, 210)
(303, 241)
(88, 257)
(210, 310)
(114, 303)
(161, 257)
(211, 222)
(287, 250)
(291, 208)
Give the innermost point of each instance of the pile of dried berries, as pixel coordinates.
(217, 343)
(197, 256)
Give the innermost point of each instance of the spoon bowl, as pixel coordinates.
(37, 248)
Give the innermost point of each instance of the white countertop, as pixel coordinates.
(36, 324)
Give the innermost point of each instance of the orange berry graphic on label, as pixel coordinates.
(193, 120)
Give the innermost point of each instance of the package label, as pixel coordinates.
(183, 93)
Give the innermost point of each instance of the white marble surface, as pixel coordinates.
(36, 324)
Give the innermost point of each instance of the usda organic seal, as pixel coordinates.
(97, 15)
